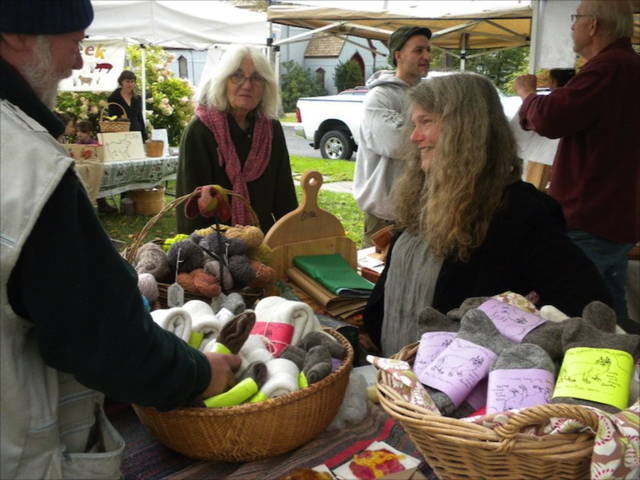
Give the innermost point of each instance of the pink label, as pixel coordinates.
(518, 388)
(279, 335)
(478, 397)
(459, 368)
(512, 322)
(431, 344)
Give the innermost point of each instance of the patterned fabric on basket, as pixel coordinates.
(616, 451)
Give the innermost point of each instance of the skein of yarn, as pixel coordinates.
(251, 235)
(148, 286)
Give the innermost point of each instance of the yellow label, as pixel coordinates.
(235, 396)
(220, 348)
(195, 339)
(597, 374)
(302, 380)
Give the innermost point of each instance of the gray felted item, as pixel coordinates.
(475, 327)
(548, 336)
(312, 339)
(235, 332)
(241, 270)
(431, 320)
(225, 279)
(216, 302)
(464, 410)
(191, 256)
(256, 370)
(295, 354)
(317, 364)
(221, 245)
(523, 356)
(150, 258)
(234, 303)
(465, 306)
(581, 333)
(195, 238)
(600, 316)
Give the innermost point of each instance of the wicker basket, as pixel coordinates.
(154, 148)
(252, 431)
(148, 201)
(108, 126)
(458, 450)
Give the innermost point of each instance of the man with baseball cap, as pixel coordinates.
(378, 161)
(73, 321)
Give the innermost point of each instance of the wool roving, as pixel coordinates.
(150, 258)
(191, 256)
(262, 253)
(148, 286)
(295, 354)
(431, 320)
(236, 331)
(465, 306)
(354, 406)
(221, 245)
(249, 234)
(282, 378)
(465, 362)
(199, 282)
(225, 279)
(257, 371)
(312, 339)
(597, 366)
(317, 364)
(522, 376)
(253, 350)
(600, 316)
(264, 275)
(241, 270)
(552, 314)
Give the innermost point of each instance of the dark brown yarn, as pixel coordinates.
(256, 370)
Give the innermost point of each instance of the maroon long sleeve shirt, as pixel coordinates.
(596, 172)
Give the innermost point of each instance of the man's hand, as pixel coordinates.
(525, 85)
(222, 377)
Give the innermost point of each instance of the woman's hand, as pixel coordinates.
(222, 376)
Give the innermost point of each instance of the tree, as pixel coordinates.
(347, 75)
(297, 82)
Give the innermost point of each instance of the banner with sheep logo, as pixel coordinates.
(103, 61)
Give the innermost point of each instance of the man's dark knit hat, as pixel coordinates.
(400, 37)
(45, 17)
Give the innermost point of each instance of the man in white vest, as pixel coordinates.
(72, 319)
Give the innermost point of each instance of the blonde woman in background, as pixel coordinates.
(469, 226)
(236, 141)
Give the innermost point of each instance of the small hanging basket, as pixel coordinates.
(109, 126)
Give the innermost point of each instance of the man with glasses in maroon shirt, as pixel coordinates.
(596, 172)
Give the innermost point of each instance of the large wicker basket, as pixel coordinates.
(108, 126)
(252, 431)
(458, 450)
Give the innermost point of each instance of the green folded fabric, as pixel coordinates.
(335, 274)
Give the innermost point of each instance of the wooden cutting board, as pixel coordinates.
(308, 230)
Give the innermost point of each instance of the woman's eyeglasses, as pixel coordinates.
(576, 16)
(239, 78)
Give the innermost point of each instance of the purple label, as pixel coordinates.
(518, 388)
(478, 397)
(459, 368)
(431, 344)
(512, 322)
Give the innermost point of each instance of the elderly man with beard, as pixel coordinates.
(73, 322)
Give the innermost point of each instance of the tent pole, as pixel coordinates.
(143, 80)
(463, 51)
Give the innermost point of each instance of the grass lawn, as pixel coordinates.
(342, 205)
(288, 118)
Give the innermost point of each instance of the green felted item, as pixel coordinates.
(335, 274)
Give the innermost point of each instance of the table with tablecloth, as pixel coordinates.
(137, 174)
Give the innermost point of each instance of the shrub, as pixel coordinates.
(297, 82)
(347, 75)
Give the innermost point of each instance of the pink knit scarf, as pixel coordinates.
(255, 164)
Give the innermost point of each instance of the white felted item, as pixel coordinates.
(282, 378)
(551, 313)
(280, 310)
(253, 350)
(225, 315)
(175, 320)
(354, 407)
(203, 320)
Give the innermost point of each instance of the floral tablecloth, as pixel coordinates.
(136, 174)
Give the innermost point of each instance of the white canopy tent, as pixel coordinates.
(197, 25)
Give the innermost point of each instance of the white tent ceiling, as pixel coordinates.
(177, 24)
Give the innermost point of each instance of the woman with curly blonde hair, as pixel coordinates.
(467, 225)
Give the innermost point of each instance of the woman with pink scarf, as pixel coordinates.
(235, 141)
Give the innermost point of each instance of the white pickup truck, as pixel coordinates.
(332, 122)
